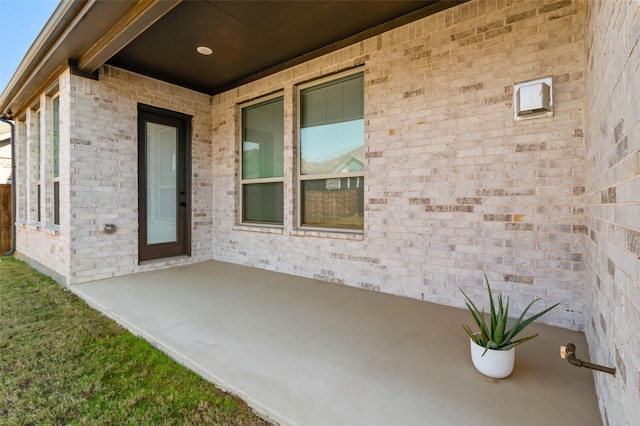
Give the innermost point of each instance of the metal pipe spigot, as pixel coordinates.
(569, 353)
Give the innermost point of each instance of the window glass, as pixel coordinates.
(262, 174)
(56, 203)
(262, 140)
(263, 202)
(332, 127)
(333, 203)
(38, 167)
(332, 154)
(56, 137)
(56, 160)
(37, 153)
(39, 203)
(162, 145)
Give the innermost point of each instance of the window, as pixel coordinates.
(22, 170)
(37, 157)
(56, 160)
(262, 177)
(331, 163)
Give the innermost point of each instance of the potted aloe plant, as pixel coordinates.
(493, 347)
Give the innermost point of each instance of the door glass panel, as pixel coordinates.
(161, 183)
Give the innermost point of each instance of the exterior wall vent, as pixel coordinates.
(533, 99)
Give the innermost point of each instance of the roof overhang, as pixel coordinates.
(158, 38)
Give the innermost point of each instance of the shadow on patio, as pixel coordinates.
(306, 352)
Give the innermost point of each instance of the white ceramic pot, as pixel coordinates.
(494, 363)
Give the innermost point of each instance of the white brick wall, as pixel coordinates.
(42, 243)
(547, 207)
(104, 175)
(453, 185)
(612, 138)
(98, 176)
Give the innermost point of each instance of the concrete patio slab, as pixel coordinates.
(305, 352)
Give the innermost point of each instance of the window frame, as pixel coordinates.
(300, 178)
(252, 181)
(55, 179)
(22, 169)
(38, 161)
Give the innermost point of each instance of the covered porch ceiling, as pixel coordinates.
(248, 39)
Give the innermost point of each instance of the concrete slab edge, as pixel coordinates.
(256, 405)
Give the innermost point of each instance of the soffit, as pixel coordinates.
(72, 29)
(249, 39)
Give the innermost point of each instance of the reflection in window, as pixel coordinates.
(332, 154)
(263, 162)
(333, 203)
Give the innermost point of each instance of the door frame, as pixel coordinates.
(182, 122)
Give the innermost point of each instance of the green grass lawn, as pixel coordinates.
(61, 362)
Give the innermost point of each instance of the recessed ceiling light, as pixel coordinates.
(204, 50)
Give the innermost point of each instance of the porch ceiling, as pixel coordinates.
(249, 39)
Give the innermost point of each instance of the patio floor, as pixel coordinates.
(305, 352)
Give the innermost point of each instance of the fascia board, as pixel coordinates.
(73, 30)
(134, 23)
(59, 20)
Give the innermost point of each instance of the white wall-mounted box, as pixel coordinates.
(533, 99)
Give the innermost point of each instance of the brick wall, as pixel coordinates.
(548, 207)
(612, 193)
(454, 185)
(98, 176)
(40, 242)
(103, 184)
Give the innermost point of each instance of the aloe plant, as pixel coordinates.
(496, 335)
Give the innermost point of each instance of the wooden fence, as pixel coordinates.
(5, 218)
(335, 207)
